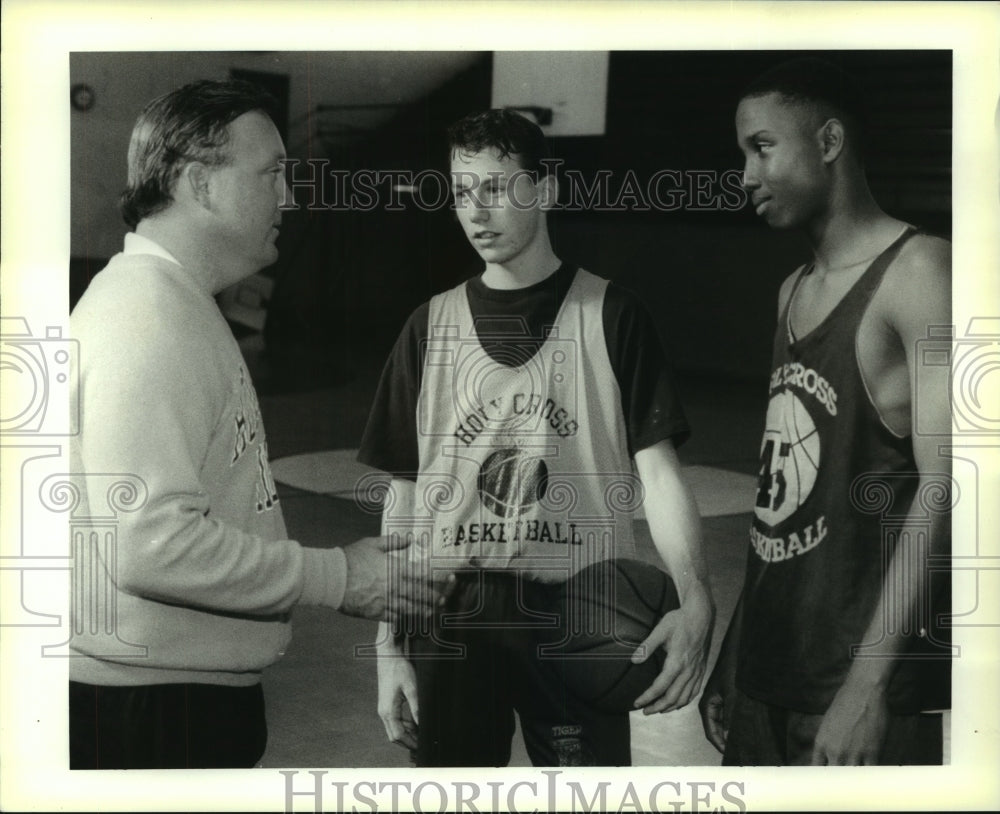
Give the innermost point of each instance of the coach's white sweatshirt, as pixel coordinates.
(182, 572)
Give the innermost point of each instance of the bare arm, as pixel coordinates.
(676, 529)
(397, 685)
(716, 704)
(853, 728)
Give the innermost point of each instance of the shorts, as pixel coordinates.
(480, 663)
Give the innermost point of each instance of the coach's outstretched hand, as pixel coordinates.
(384, 584)
(686, 634)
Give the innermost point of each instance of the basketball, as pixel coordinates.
(610, 608)
(510, 482)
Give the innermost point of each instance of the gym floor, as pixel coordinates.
(321, 697)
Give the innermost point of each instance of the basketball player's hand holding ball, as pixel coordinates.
(686, 635)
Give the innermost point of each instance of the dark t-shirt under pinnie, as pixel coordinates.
(511, 325)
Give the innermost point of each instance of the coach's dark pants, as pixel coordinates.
(482, 662)
(166, 726)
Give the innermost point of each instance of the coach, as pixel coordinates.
(201, 582)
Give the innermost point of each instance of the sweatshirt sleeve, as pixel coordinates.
(151, 400)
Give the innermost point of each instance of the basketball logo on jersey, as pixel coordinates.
(510, 482)
(789, 458)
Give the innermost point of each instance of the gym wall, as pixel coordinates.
(346, 280)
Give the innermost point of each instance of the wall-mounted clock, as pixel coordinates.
(82, 97)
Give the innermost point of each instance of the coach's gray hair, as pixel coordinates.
(189, 124)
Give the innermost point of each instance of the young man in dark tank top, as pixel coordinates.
(831, 656)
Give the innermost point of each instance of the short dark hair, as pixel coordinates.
(510, 133)
(188, 124)
(821, 85)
